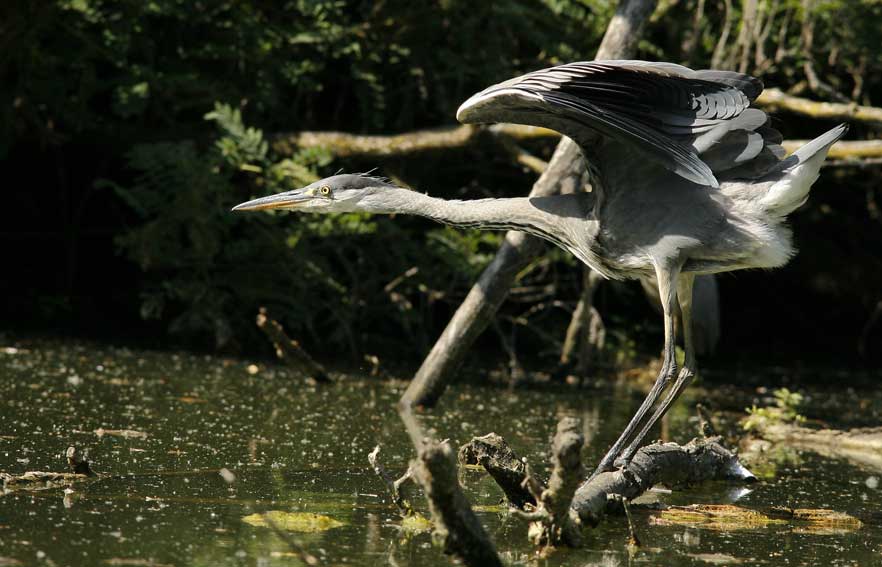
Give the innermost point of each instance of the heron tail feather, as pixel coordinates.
(794, 177)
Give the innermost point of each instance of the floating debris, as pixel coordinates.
(227, 475)
(416, 523)
(305, 522)
(124, 433)
(725, 517)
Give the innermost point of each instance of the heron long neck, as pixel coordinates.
(561, 219)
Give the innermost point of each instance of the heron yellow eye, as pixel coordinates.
(325, 190)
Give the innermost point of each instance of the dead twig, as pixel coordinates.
(395, 487)
(289, 350)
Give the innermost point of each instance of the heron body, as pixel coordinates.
(687, 178)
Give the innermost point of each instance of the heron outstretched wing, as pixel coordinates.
(698, 124)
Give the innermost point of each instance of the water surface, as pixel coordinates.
(299, 447)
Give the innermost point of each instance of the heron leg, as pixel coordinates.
(667, 277)
(687, 373)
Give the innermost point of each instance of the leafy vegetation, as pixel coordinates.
(785, 410)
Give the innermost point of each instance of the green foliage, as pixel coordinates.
(785, 410)
(207, 270)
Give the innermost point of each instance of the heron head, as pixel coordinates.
(336, 194)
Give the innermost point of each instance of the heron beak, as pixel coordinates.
(286, 200)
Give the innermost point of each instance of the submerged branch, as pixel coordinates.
(40, 480)
(456, 525)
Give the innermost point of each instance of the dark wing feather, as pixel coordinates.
(671, 113)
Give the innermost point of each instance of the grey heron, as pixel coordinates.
(687, 179)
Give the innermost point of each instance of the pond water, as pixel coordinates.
(298, 447)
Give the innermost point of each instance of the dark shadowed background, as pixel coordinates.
(128, 129)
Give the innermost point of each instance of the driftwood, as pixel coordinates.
(457, 527)
(862, 446)
(40, 480)
(493, 286)
(289, 350)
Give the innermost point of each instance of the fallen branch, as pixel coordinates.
(454, 137)
(289, 350)
(456, 526)
(40, 480)
(776, 99)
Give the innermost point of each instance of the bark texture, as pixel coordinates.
(669, 464)
(493, 453)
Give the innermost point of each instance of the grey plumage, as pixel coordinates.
(687, 179)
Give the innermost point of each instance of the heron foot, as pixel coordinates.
(684, 378)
